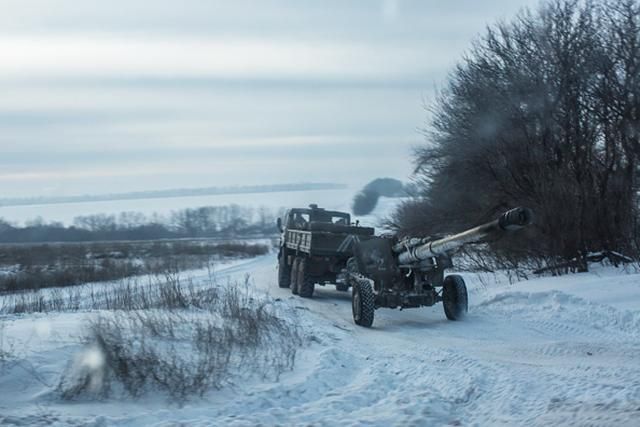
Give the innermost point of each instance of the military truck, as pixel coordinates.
(315, 245)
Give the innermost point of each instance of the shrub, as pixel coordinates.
(364, 202)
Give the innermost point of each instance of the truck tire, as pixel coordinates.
(454, 297)
(363, 303)
(306, 284)
(284, 272)
(294, 276)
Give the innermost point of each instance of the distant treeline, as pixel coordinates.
(178, 192)
(212, 221)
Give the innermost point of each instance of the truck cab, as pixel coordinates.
(302, 218)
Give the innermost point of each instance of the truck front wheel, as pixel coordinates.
(306, 284)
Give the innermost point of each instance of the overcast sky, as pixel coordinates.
(127, 95)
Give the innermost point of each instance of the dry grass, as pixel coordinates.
(168, 333)
(168, 290)
(182, 340)
(6, 350)
(36, 266)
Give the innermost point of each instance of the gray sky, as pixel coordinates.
(127, 95)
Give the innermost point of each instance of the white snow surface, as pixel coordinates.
(548, 351)
(66, 212)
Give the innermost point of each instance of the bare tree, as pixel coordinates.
(544, 112)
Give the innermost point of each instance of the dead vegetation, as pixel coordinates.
(31, 267)
(6, 350)
(178, 336)
(180, 354)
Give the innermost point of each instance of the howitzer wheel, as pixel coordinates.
(284, 272)
(454, 297)
(306, 284)
(363, 302)
(294, 276)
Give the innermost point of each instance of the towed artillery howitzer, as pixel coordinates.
(323, 247)
(410, 273)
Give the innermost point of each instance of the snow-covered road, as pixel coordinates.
(543, 352)
(550, 351)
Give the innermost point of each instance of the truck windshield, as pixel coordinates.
(343, 220)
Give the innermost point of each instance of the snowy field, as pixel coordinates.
(65, 212)
(549, 351)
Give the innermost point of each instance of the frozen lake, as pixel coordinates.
(339, 199)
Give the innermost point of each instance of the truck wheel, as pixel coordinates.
(294, 276)
(306, 284)
(363, 303)
(284, 272)
(454, 297)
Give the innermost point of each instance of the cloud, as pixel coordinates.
(108, 56)
(98, 95)
(390, 9)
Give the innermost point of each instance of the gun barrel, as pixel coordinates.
(511, 220)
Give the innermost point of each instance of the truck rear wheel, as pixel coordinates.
(306, 284)
(363, 303)
(284, 272)
(454, 297)
(294, 276)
